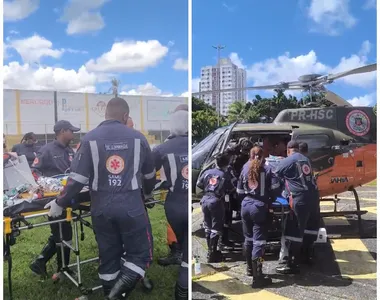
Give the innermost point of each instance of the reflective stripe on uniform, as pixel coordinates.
(184, 264)
(68, 242)
(311, 232)
(240, 191)
(301, 176)
(150, 175)
(293, 239)
(162, 174)
(108, 277)
(259, 242)
(79, 178)
(173, 170)
(136, 163)
(249, 239)
(95, 160)
(216, 232)
(262, 183)
(134, 268)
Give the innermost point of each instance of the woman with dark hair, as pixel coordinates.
(28, 146)
(259, 187)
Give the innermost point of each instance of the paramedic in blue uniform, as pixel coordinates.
(216, 184)
(146, 282)
(171, 158)
(175, 252)
(297, 173)
(312, 227)
(53, 159)
(260, 188)
(116, 162)
(28, 146)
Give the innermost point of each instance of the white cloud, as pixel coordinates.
(25, 76)
(180, 64)
(83, 16)
(369, 4)
(185, 94)
(331, 16)
(366, 100)
(237, 60)
(76, 51)
(13, 32)
(288, 68)
(195, 85)
(129, 56)
(171, 43)
(33, 48)
(355, 61)
(19, 9)
(147, 89)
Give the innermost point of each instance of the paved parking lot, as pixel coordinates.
(345, 267)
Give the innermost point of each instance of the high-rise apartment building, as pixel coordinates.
(230, 77)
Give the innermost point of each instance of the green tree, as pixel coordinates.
(317, 100)
(203, 123)
(266, 109)
(204, 119)
(115, 84)
(198, 104)
(375, 109)
(237, 112)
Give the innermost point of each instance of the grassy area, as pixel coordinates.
(373, 183)
(27, 286)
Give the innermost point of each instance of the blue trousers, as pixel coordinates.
(255, 229)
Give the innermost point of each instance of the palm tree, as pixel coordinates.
(115, 86)
(237, 111)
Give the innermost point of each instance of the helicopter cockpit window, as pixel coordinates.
(314, 141)
(201, 150)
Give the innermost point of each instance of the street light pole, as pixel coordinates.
(218, 49)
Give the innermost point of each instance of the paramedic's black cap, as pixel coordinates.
(64, 125)
(293, 145)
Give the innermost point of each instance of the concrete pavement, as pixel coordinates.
(345, 267)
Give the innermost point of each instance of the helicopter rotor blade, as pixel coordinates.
(263, 87)
(363, 69)
(334, 98)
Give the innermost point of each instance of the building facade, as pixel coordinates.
(229, 77)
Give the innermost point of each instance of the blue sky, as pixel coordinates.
(46, 39)
(281, 40)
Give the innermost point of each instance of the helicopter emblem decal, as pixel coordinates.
(358, 122)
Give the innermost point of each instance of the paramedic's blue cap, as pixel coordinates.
(293, 145)
(65, 125)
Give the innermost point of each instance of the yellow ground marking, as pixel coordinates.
(372, 209)
(231, 288)
(353, 259)
(197, 210)
(336, 221)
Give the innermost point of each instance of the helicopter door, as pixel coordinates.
(228, 135)
(202, 152)
(217, 148)
(320, 148)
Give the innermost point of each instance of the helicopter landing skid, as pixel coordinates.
(343, 213)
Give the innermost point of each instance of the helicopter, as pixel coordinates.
(341, 138)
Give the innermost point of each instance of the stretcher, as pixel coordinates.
(278, 211)
(18, 218)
